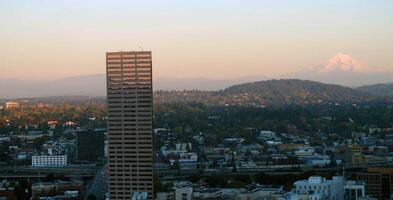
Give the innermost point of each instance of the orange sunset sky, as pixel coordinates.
(215, 39)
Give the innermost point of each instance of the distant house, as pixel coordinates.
(266, 135)
(52, 123)
(304, 152)
(11, 105)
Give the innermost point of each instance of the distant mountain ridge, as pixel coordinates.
(95, 85)
(382, 90)
(341, 69)
(89, 85)
(270, 92)
(168, 83)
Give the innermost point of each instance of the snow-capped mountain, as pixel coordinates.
(344, 70)
(341, 63)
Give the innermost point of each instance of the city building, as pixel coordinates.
(259, 193)
(57, 188)
(188, 161)
(130, 131)
(356, 154)
(7, 192)
(180, 191)
(11, 105)
(266, 135)
(379, 182)
(208, 193)
(48, 161)
(320, 162)
(183, 193)
(166, 195)
(318, 188)
(90, 145)
(185, 190)
(354, 190)
(304, 152)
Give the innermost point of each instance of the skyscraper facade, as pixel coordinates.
(130, 96)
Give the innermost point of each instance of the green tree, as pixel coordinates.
(91, 197)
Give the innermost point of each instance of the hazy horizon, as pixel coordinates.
(211, 39)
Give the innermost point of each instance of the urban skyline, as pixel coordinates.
(248, 100)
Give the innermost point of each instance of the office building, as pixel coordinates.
(129, 93)
(379, 182)
(90, 145)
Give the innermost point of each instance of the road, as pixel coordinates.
(99, 185)
(70, 171)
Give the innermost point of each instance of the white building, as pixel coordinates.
(266, 135)
(55, 160)
(188, 157)
(165, 195)
(320, 162)
(318, 188)
(71, 194)
(208, 193)
(304, 152)
(22, 156)
(188, 161)
(183, 193)
(183, 146)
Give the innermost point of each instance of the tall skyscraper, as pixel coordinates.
(130, 96)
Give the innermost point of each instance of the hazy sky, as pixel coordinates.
(191, 38)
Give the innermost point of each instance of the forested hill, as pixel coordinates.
(271, 92)
(378, 89)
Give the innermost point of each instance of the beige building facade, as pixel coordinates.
(130, 124)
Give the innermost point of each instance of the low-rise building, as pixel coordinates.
(259, 193)
(304, 152)
(166, 195)
(183, 193)
(51, 189)
(266, 135)
(318, 188)
(208, 193)
(48, 161)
